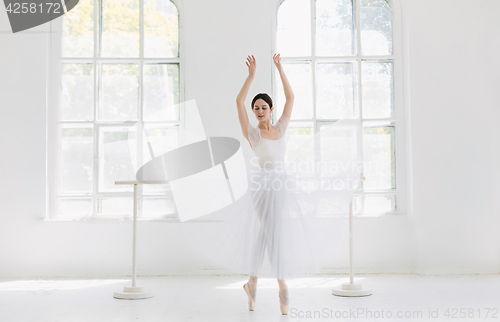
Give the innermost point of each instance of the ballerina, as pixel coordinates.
(298, 217)
(262, 107)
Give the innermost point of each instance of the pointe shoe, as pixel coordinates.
(251, 301)
(284, 304)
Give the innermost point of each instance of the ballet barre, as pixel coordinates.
(352, 288)
(135, 292)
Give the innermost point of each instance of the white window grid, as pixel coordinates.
(397, 121)
(54, 62)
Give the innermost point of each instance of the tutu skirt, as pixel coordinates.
(289, 218)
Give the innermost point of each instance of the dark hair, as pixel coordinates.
(265, 97)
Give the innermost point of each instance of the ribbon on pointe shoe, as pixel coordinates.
(251, 293)
(283, 296)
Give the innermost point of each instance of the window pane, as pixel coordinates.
(161, 29)
(161, 92)
(300, 78)
(337, 143)
(294, 28)
(377, 89)
(77, 92)
(75, 207)
(121, 206)
(117, 157)
(162, 140)
(158, 207)
(78, 30)
(297, 133)
(356, 204)
(334, 28)
(379, 204)
(379, 158)
(376, 27)
(120, 28)
(120, 92)
(76, 170)
(335, 90)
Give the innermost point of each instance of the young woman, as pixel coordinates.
(287, 213)
(270, 151)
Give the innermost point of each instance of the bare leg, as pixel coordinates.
(258, 251)
(276, 253)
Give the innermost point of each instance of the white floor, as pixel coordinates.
(222, 298)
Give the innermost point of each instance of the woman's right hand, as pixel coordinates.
(252, 65)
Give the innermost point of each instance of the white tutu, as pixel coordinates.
(294, 213)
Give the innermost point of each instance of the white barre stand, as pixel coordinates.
(352, 288)
(135, 292)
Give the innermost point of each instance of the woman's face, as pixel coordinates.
(261, 110)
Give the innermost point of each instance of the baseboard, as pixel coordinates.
(223, 272)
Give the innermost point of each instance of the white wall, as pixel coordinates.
(452, 122)
(455, 78)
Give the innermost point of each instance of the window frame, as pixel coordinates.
(400, 100)
(54, 81)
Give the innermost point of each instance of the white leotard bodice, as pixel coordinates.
(270, 153)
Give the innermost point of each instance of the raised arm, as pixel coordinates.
(240, 99)
(290, 97)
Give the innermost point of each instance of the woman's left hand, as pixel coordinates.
(277, 60)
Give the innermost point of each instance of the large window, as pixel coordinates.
(343, 60)
(115, 84)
